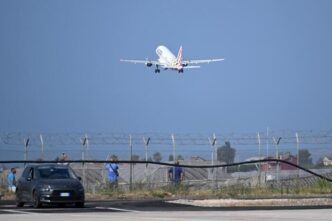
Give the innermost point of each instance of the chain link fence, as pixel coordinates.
(190, 149)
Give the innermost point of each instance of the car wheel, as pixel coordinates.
(79, 204)
(36, 200)
(19, 204)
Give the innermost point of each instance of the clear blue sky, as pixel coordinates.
(60, 69)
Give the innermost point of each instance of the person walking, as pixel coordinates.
(113, 174)
(176, 173)
(11, 180)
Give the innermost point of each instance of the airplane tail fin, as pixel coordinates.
(179, 58)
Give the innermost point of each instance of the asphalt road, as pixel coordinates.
(156, 210)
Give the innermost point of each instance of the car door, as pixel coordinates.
(22, 184)
(31, 183)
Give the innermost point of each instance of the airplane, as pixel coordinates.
(167, 60)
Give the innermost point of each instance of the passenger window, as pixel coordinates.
(26, 172)
(31, 173)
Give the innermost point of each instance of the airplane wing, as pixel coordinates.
(146, 62)
(186, 62)
(176, 67)
(191, 66)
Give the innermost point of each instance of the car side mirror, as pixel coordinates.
(79, 178)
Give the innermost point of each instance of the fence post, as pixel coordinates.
(260, 157)
(214, 158)
(298, 152)
(42, 146)
(26, 144)
(146, 143)
(84, 143)
(131, 165)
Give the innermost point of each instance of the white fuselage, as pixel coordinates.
(166, 56)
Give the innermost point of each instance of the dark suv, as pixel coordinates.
(49, 183)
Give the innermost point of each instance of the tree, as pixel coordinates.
(179, 157)
(135, 157)
(226, 153)
(304, 158)
(157, 157)
(114, 157)
(170, 157)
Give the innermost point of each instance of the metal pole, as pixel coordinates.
(173, 141)
(276, 143)
(42, 146)
(298, 152)
(87, 147)
(146, 143)
(260, 156)
(267, 150)
(267, 142)
(131, 165)
(83, 158)
(216, 159)
(212, 143)
(26, 144)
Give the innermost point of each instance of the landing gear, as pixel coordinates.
(180, 71)
(157, 70)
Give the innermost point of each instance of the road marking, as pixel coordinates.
(18, 211)
(119, 209)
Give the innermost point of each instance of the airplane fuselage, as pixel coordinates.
(167, 57)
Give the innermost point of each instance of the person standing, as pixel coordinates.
(176, 173)
(11, 180)
(113, 174)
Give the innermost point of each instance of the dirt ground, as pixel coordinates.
(255, 202)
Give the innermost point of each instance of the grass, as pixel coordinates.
(142, 191)
(321, 187)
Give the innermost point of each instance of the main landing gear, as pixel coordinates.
(157, 70)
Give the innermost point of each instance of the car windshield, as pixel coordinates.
(54, 173)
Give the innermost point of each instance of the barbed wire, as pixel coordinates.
(181, 139)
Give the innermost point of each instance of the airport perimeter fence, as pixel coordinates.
(190, 149)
